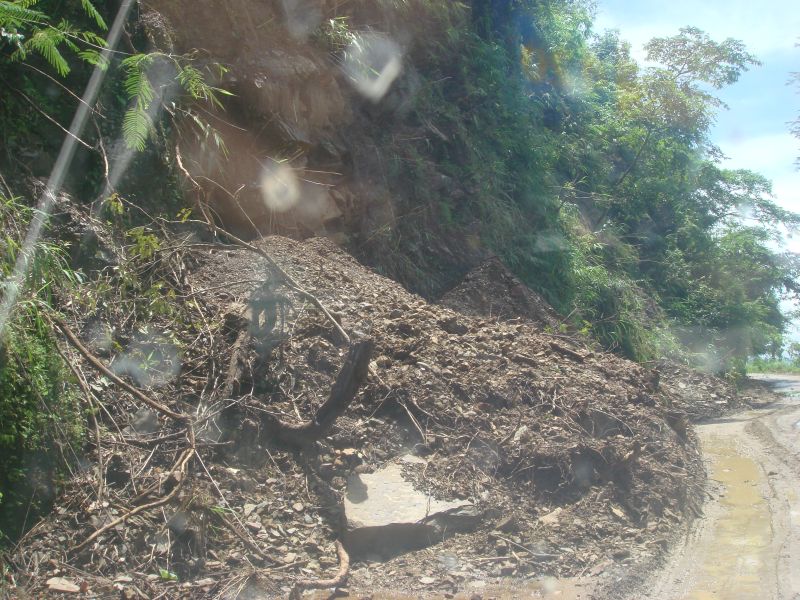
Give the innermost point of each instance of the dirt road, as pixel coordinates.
(747, 544)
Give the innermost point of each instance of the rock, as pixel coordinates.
(521, 433)
(387, 516)
(298, 507)
(551, 518)
(427, 580)
(60, 584)
(618, 513)
(621, 554)
(508, 525)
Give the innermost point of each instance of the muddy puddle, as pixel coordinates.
(738, 563)
(547, 589)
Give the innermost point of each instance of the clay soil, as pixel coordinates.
(578, 461)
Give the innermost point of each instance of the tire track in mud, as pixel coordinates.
(747, 543)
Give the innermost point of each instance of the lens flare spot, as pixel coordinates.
(372, 62)
(302, 17)
(279, 187)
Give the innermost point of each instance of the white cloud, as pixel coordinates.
(770, 153)
(774, 157)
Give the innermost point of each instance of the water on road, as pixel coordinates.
(747, 544)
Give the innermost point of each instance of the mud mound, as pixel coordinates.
(491, 290)
(699, 395)
(568, 456)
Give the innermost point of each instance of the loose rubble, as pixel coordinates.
(564, 460)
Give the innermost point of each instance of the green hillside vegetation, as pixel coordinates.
(592, 177)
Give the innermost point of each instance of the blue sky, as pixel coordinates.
(753, 133)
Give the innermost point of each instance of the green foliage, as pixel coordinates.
(137, 124)
(637, 161)
(33, 31)
(40, 420)
(772, 365)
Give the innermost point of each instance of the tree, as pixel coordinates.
(795, 125)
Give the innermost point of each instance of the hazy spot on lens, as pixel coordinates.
(279, 186)
(302, 17)
(550, 242)
(372, 62)
(150, 360)
(100, 337)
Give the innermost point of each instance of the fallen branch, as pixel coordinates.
(350, 378)
(319, 584)
(97, 364)
(567, 352)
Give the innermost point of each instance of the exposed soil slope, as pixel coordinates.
(569, 454)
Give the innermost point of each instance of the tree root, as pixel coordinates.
(350, 378)
(337, 581)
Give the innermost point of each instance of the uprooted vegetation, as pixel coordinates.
(204, 479)
(212, 396)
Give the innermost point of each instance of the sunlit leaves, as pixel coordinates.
(141, 91)
(693, 56)
(32, 31)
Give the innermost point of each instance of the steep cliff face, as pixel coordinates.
(322, 93)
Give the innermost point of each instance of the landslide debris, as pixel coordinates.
(570, 456)
(491, 290)
(699, 395)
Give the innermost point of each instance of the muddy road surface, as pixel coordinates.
(747, 543)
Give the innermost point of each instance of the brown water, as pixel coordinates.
(546, 589)
(739, 562)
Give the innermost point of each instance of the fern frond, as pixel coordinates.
(136, 127)
(45, 42)
(137, 85)
(90, 10)
(192, 80)
(14, 14)
(94, 58)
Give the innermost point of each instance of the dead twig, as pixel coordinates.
(97, 364)
(251, 545)
(319, 584)
(567, 352)
(179, 470)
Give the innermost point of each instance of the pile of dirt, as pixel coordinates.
(570, 457)
(699, 395)
(491, 290)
